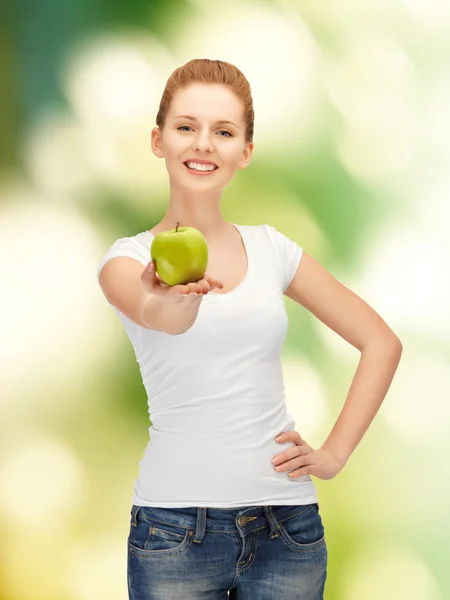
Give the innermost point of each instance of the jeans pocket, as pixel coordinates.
(157, 539)
(304, 530)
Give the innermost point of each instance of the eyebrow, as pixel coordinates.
(194, 119)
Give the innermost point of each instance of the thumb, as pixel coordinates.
(148, 274)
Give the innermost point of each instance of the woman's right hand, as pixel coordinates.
(153, 283)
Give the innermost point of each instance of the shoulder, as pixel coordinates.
(273, 235)
(264, 231)
(134, 246)
(335, 304)
(139, 241)
(278, 250)
(282, 245)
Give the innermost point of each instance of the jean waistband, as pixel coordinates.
(199, 518)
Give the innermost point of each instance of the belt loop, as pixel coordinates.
(274, 526)
(201, 524)
(134, 513)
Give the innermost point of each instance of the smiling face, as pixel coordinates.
(204, 122)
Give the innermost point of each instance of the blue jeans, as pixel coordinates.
(246, 553)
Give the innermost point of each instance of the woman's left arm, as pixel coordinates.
(360, 325)
(370, 384)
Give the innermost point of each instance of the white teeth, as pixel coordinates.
(199, 167)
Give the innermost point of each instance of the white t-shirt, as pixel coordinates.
(216, 395)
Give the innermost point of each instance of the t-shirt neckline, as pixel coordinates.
(245, 242)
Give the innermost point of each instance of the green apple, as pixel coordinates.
(180, 255)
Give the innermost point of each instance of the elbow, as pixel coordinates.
(179, 331)
(386, 342)
(395, 342)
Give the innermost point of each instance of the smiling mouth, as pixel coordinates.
(201, 170)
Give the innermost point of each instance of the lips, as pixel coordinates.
(199, 163)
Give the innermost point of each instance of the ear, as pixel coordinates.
(246, 156)
(157, 148)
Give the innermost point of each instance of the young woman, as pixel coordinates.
(211, 516)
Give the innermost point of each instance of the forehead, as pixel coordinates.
(215, 101)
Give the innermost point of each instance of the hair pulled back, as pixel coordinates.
(204, 70)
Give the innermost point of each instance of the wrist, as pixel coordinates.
(340, 456)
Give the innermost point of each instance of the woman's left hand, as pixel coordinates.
(302, 460)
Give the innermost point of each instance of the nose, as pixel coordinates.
(203, 143)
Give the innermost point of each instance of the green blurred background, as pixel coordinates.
(352, 130)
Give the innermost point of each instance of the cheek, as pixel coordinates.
(231, 155)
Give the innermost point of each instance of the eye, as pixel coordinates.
(221, 131)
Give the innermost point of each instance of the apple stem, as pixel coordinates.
(176, 229)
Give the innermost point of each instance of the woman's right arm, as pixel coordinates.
(145, 299)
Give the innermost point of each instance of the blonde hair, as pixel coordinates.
(205, 70)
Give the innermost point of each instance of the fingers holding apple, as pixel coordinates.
(209, 283)
(200, 287)
(212, 283)
(153, 283)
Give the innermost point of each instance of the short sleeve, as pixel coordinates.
(287, 254)
(127, 247)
